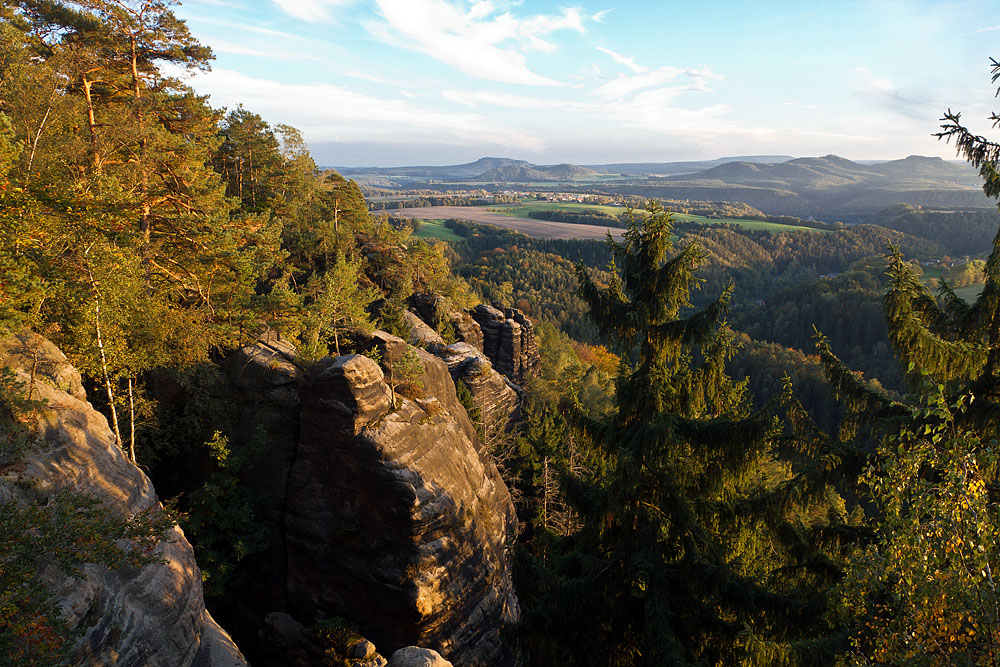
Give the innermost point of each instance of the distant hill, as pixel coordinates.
(479, 169)
(672, 168)
(826, 187)
(523, 173)
(469, 170)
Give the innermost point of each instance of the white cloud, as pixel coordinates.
(511, 101)
(644, 102)
(309, 10)
(800, 105)
(625, 85)
(917, 105)
(225, 46)
(481, 41)
(624, 60)
(326, 112)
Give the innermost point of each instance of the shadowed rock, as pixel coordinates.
(395, 517)
(509, 342)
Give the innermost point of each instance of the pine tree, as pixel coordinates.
(684, 556)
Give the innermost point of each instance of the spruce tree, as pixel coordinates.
(923, 592)
(684, 555)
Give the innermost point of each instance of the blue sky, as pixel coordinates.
(394, 82)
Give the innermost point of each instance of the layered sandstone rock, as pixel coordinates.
(421, 334)
(151, 616)
(509, 342)
(492, 394)
(434, 308)
(395, 517)
(413, 656)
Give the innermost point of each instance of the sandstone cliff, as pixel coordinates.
(151, 616)
(509, 342)
(395, 516)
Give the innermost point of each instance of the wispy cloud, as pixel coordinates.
(915, 104)
(310, 10)
(482, 41)
(643, 102)
(624, 60)
(508, 100)
(326, 112)
(624, 85)
(244, 49)
(800, 105)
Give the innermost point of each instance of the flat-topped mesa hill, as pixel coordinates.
(524, 173)
(832, 171)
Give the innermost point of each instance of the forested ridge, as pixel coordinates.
(744, 448)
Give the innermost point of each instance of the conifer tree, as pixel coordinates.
(684, 555)
(923, 592)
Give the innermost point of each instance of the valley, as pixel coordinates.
(647, 408)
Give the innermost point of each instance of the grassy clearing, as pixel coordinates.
(522, 210)
(970, 293)
(529, 205)
(759, 225)
(435, 229)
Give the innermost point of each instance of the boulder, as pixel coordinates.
(412, 656)
(150, 616)
(395, 516)
(421, 334)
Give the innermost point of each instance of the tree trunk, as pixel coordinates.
(104, 368)
(95, 153)
(146, 211)
(131, 422)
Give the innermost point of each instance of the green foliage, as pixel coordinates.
(223, 516)
(406, 375)
(64, 532)
(336, 636)
(922, 593)
(337, 302)
(689, 551)
(960, 233)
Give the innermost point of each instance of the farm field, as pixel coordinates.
(539, 229)
(435, 229)
(970, 293)
(530, 206)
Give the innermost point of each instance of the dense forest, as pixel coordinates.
(744, 448)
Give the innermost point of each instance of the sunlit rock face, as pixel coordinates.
(493, 395)
(147, 617)
(434, 308)
(395, 516)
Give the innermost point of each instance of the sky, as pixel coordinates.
(434, 82)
